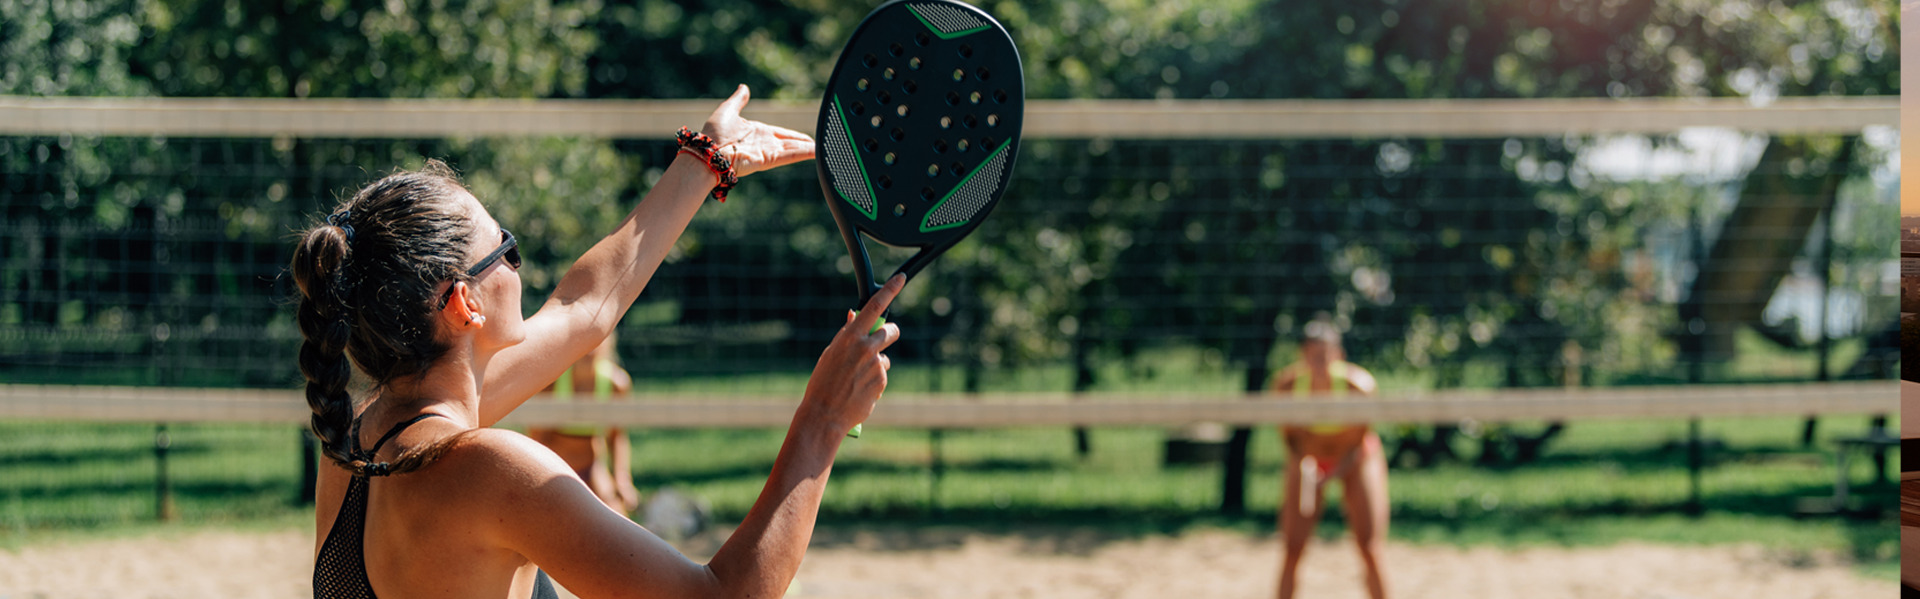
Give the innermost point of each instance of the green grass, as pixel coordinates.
(83, 476)
(1189, 370)
(1602, 482)
(1181, 370)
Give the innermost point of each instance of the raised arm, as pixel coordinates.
(1358, 379)
(594, 552)
(1284, 380)
(603, 283)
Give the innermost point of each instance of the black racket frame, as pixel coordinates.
(975, 78)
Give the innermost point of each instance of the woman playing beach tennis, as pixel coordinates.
(415, 283)
(1321, 453)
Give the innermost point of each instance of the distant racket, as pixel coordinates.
(919, 130)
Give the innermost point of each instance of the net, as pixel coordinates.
(1171, 250)
(1477, 248)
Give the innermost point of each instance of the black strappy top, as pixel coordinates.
(341, 570)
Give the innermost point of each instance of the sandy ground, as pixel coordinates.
(958, 563)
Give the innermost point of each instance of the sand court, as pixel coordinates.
(1067, 564)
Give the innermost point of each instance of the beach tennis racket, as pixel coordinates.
(918, 131)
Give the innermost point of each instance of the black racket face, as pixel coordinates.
(921, 123)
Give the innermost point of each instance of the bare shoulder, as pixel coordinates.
(1361, 379)
(493, 456)
(515, 494)
(484, 469)
(482, 472)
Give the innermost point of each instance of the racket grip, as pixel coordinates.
(855, 433)
(876, 324)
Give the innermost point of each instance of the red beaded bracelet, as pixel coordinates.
(702, 147)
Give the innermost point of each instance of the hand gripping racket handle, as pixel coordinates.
(863, 276)
(855, 432)
(881, 322)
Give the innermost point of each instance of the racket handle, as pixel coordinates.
(855, 433)
(876, 324)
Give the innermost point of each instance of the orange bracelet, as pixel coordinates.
(702, 147)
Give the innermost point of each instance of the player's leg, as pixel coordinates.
(1295, 528)
(1365, 490)
(622, 469)
(599, 474)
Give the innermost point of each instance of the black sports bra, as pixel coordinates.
(341, 570)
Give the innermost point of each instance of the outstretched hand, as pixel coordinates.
(754, 146)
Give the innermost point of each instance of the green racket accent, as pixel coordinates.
(846, 132)
(993, 160)
(855, 433)
(876, 325)
(943, 34)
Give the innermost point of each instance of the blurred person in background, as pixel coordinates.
(601, 455)
(1318, 454)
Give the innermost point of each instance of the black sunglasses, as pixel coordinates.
(509, 249)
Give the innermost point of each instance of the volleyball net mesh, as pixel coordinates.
(1172, 248)
(1509, 258)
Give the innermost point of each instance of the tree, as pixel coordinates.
(1090, 267)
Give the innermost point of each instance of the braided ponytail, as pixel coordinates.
(410, 232)
(326, 324)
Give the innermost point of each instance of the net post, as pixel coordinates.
(1233, 491)
(1083, 379)
(935, 468)
(162, 486)
(1694, 505)
(1877, 427)
(1233, 471)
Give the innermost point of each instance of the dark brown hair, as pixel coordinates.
(1322, 329)
(367, 277)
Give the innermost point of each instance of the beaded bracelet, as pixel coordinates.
(702, 147)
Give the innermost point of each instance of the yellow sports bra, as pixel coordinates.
(602, 392)
(1303, 387)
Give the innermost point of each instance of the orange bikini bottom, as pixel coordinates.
(1369, 445)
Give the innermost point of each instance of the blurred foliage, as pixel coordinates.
(346, 48)
(1535, 262)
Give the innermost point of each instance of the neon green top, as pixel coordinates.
(602, 392)
(1303, 387)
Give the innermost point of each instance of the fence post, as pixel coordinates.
(1877, 427)
(1694, 463)
(1233, 471)
(1233, 484)
(1826, 294)
(162, 486)
(935, 468)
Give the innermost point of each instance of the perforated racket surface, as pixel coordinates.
(919, 130)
